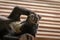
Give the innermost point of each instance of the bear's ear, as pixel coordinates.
(39, 17)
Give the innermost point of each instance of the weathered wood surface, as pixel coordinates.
(49, 25)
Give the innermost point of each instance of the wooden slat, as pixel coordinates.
(45, 29)
(49, 25)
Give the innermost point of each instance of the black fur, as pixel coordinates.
(17, 12)
(29, 26)
(15, 16)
